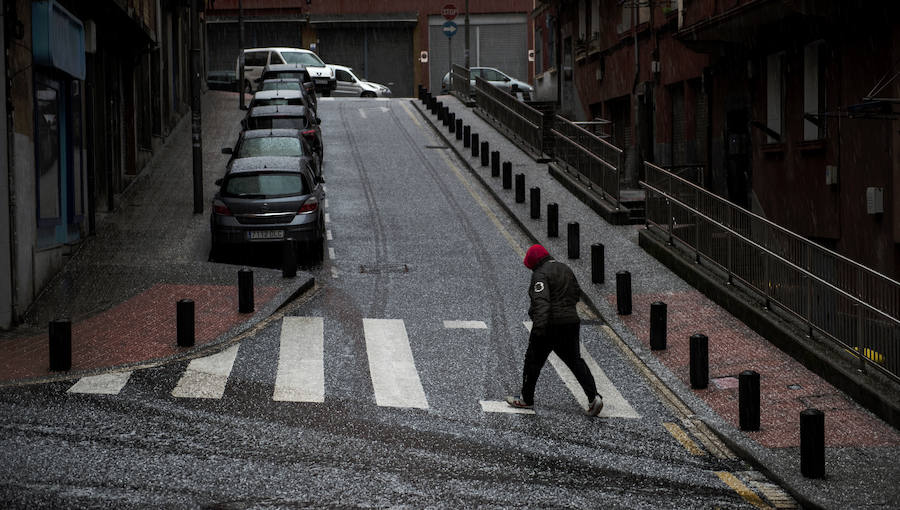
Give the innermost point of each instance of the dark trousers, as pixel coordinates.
(563, 340)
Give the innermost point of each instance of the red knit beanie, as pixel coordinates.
(535, 254)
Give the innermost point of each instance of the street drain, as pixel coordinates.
(384, 268)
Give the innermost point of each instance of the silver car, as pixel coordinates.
(496, 78)
(349, 85)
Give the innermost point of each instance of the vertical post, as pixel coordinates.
(474, 145)
(196, 126)
(495, 164)
(240, 78)
(699, 355)
(467, 136)
(507, 175)
(288, 259)
(623, 292)
(553, 219)
(60, 345)
(574, 240)
(748, 400)
(245, 291)
(184, 322)
(459, 129)
(658, 325)
(812, 443)
(535, 202)
(467, 36)
(485, 153)
(598, 263)
(520, 188)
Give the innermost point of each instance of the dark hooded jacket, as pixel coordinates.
(554, 292)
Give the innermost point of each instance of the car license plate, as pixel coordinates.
(321, 80)
(261, 235)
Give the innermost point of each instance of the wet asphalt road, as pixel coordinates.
(414, 239)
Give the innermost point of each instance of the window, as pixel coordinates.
(582, 20)
(270, 146)
(628, 7)
(774, 96)
(47, 119)
(265, 185)
(344, 76)
(595, 19)
(813, 91)
(538, 51)
(255, 58)
(297, 57)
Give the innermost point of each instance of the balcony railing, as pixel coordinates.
(845, 302)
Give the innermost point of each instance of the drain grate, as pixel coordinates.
(384, 268)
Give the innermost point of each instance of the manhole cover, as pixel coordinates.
(384, 268)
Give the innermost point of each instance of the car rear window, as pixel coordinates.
(271, 146)
(261, 185)
(276, 123)
(281, 85)
(277, 100)
(275, 75)
(296, 57)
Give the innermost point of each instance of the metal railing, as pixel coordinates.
(846, 302)
(520, 120)
(591, 156)
(459, 82)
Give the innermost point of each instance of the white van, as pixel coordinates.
(256, 59)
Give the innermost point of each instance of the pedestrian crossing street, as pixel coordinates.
(300, 375)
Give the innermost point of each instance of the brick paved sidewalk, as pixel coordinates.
(861, 449)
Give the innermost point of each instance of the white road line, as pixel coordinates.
(206, 377)
(334, 272)
(329, 236)
(325, 203)
(327, 218)
(496, 406)
(301, 367)
(465, 325)
(393, 370)
(614, 404)
(362, 113)
(103, 384)
(331, 253)
(325, 98)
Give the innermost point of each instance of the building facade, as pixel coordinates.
(789, 109)
(382, 40)
(92, 89)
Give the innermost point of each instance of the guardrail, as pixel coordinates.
(846, 302)
(591, 156)
(520, 121)
(459, 82)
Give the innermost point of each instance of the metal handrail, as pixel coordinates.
(591, 156)
(460, 81)
(520, 120)
(805, 288)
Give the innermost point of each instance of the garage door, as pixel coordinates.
(499, 41)
(224, 38)
(379, 54)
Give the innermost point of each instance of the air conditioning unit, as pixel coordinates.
(874, 200)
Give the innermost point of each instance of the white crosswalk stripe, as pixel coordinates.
(301, 369)
(614, 404)
(103, 384)
(393, 370)
(206, 377)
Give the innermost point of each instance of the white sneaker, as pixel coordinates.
(595, 406)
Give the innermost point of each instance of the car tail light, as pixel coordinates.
(220, 208)
(309, 206)
(309, 133)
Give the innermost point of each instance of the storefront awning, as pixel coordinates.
(58, 38)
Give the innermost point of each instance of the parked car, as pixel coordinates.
(265, 200)
(287, 116)
(496, 78)
(256, 59)
(292, 84)
(285, 97)
(275, 142)
(349, 85)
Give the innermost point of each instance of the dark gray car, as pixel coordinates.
(264, 200)
(287, 116)
(275, 142)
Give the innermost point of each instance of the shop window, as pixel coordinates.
(47, 125)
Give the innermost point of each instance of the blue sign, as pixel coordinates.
(449, 28)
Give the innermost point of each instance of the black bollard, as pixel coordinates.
(288, 259)
(60, 345)
(474, 145)
(598, 263)
(507, 175)
(184, 322)
(535, 201)
(485, 153)
(245, 291)
(658, 325)
(748, 400)
(812, 443)
(459, 129)
(699, 355)
(445, 115)
(495, 164)
(452, 123)
(467, 135)
(623, 292)
(574, 240)
(520, 188)
(553, 219)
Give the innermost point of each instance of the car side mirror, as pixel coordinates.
(244, 107)
(227, 150)
(318, 120)
(320, 179)
(218, 182)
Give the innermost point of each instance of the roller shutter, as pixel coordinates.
(379, 54)
(224, 40)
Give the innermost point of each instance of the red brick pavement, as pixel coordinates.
(139, 329)
(786, 386)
